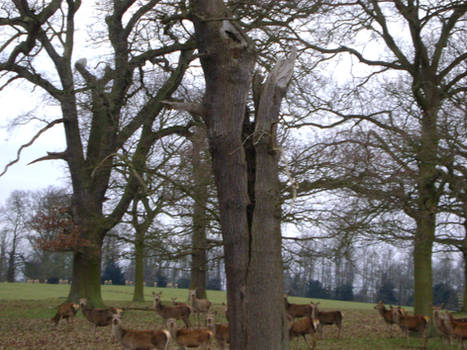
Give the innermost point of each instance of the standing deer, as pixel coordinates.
(327, 318)
(440, 325)
(100, 317)
(176, 311)
(386, 314)
(456, 328)
(417, 323)
(220, 330)
(307, 325)
(199, 305)
(297, 310)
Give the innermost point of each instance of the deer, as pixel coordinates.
(307, 325)
(327, 318)
(66, 311)
(190, 337)
(220, 330)
(297, 310)
(386, 314)
(199, 305)
(456, 328)
(417, 323)
(176, 311)
(440, 325)
(139, 339)
(100, 317)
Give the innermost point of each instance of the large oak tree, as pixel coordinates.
(101, 109)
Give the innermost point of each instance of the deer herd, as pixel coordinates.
(303, 320)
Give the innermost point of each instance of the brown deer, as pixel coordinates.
(100, 317)
(386, 314)
(307, 325)
(66, 311)
(139, 339)
(416, 323)
(297, 310)
(456, 328)
(220, 330)
(440, 325)
(199, 305)
(328, 318)
(190, 337)
(179, 312)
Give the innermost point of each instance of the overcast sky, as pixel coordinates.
(19, 99)
(21, 176)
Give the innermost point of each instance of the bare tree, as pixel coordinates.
(430, 67)
(245, 164)
(15, 218)
(102, 109)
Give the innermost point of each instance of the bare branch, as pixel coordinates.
(34, 138)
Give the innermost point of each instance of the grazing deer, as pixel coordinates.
(327, 318)
(100, 317)
(190, 337)
(176, 311)
(297, 310)
(220, 330)
(456, 328)
(417, 323)
(66, 311)
(139, 339)
(440, 325)
(386, 314)
(199, 305)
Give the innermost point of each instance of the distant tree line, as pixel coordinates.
(365, 275)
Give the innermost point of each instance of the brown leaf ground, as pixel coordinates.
(27, 325)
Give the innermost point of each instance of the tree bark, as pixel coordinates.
(200, 197)
(250, 219)
(86, 276)
(227, 83)
(138, 292)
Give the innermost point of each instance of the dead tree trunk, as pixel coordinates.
(250, 217)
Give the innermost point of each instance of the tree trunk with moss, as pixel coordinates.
(86, 276)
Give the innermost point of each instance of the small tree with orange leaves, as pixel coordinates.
(60, 234)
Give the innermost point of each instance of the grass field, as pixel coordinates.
(26, 309)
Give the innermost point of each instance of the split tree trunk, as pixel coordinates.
(250, 218)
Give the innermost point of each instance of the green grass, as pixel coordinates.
(25, 310)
